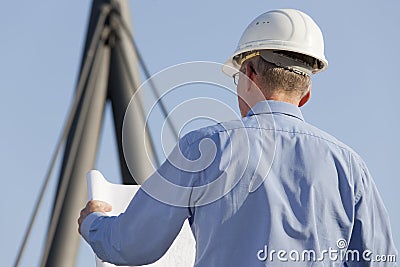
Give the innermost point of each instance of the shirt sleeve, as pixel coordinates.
(371, 235)
(145, 231)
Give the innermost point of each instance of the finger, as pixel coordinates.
(79, 226)
(108, 207)
(82, 217)
(83, 212)
(97, 205)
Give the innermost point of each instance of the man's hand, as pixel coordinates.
(93, 206)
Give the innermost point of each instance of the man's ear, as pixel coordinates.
(251, 75)
(250, 72)
(305, 98)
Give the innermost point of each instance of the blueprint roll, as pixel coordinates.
(182, 251)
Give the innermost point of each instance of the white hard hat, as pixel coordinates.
(272, 34)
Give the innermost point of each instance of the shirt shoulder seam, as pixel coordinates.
(218, 131)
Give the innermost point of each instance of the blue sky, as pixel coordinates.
(355, 99)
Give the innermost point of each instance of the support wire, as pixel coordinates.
(147, 75)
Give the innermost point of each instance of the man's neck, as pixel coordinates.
(283, 98)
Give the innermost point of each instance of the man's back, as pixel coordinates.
(268, 190)
(316, 200)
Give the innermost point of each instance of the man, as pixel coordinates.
(271, 190)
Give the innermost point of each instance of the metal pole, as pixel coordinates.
(80, 154)
(113, 74)
(79, 157)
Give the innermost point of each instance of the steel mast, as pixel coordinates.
(108, 73)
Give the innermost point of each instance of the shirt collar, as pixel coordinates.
(275, 107)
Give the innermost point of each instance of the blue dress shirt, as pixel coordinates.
(267, 190)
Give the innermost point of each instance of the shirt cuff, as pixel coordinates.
(87, 223)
